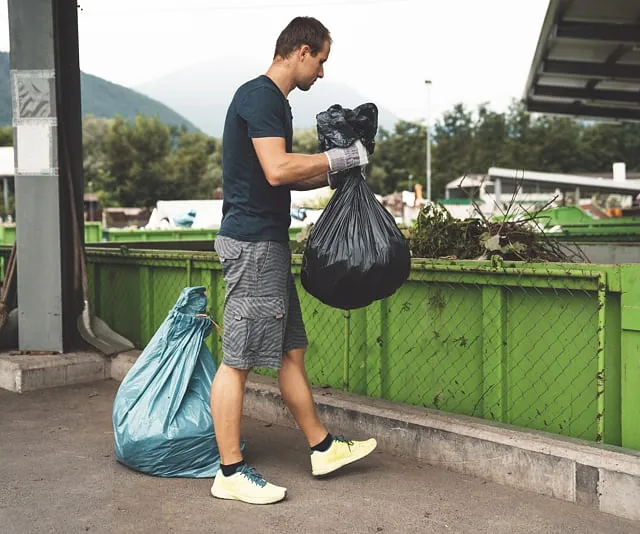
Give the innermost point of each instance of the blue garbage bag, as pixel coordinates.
(161, 414)
(185, 220)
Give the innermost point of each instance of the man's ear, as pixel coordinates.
(304, 51)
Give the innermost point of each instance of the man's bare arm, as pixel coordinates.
(282, 168)
(312, 183)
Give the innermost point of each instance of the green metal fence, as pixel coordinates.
(550, 347)
(133, 235)
(92, 233)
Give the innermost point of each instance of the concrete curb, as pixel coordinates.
(606, 478)
(27, 372)
(602, 477)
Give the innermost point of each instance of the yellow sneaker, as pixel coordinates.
(246, 485)
(342, 452)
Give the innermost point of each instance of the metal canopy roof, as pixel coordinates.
(587, 62)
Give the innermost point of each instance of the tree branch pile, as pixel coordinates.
(518, 237)
(436, 234)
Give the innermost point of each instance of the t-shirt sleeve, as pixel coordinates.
(263, 110)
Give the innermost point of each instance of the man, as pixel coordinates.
(263, 324)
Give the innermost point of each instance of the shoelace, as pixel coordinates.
(253, 476)
(342, 439)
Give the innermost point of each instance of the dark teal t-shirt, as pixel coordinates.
(254, 210)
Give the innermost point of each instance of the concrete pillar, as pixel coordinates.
(45, 84)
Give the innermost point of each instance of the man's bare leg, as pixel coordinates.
(240, 482)
(296, 392)
(329, 453)
(227, 394)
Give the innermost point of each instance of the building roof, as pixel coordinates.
(7, 163)
(587, 61)
(589, 182)
(568, 181)
(470, 180)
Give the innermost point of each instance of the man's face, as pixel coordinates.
(311, 67)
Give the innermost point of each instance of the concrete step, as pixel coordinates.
(21, 372)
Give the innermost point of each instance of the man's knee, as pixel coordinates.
(226, 372)
(295, 356)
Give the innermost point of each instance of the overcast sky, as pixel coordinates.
(474, 51)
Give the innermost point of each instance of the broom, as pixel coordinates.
(8, 291)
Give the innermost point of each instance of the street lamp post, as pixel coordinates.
(428, 84)
(90, 200)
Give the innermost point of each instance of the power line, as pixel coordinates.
(151, 10)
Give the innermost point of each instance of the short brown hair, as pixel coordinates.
(302, 31)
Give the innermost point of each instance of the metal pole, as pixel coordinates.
(428, 84)
(5, 193)
(91, 201)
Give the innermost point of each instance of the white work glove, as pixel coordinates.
(342, 159)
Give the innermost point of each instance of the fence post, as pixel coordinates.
(347, 349)
(189, 272)
(630, 356)
(218, 288)
(494, 353)
(600, 375)
(215, 312)
(146, 304)
(94, 292)
(376, 347)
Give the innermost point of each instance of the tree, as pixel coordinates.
(139, 163)
(470, 142)
(195, 167)
(136, 173)
(305, 141)
(94, 134)
(455, 150)
(6, 136)
(398, 156)
(556, 142)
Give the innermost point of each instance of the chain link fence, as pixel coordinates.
(517, 345)
(514, 354)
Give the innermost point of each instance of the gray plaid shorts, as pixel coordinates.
(262, 317)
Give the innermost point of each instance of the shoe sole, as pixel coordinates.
(231, 497)
(344, 462)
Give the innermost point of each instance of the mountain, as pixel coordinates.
(5, 90)
(202, 93)
(100, 98)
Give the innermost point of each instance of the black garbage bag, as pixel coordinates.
(355, 253)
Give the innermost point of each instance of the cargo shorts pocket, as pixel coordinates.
(254, 326)
(227, 251)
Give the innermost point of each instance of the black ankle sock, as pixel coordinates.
(228, 470)
(324, 444)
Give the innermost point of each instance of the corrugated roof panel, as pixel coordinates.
(562, 81)
(615, 11)
(631, 58)
(614, 85)
(578, 50)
